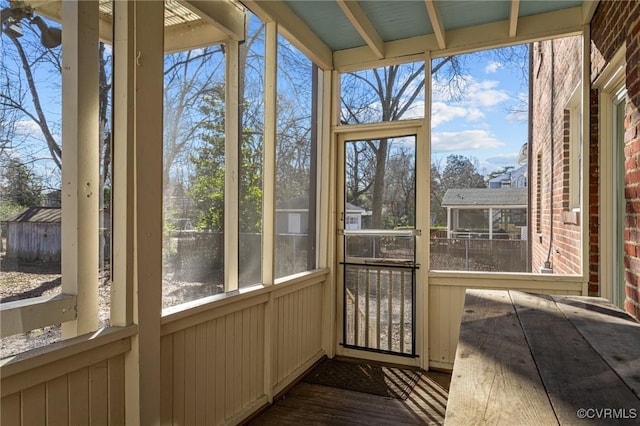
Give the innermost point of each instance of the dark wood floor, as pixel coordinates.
(311, 404)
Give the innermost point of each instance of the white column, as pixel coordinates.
(490, 223)
(137, 267)
(80, 162)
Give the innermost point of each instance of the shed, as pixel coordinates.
(292, 216)
(35, 234)
(486, 212)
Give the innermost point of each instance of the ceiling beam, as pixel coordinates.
(225, 16)
(192, 35)
(436, 23)
(363, 25)
(294, 29)
(531, 28)
(513, 18)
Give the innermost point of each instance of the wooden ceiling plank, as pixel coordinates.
(363, 25)
(436, 23)
(513, 18)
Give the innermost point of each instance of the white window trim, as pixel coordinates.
(574, 106)
(611, 85)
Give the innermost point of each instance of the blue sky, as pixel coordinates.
(483, 124)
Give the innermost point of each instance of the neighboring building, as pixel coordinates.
(516, 178)
(481, 213)
(34, 234)
(353, 217)
(292, 216)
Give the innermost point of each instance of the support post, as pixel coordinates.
(80, 163)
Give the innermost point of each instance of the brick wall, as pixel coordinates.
(614, 24)
(555, 74)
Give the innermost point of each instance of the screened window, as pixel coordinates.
(482, 178)
(252, 67)
(193, 174)
(295, 161)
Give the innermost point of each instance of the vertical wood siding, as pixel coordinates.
(92, 395)
(446, 303)
(34, 241)
(213, 365)
(213, 370)
(297, 331)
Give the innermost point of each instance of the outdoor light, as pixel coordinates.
(11, 18)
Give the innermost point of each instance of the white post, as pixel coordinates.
(491, 223)
(80, 162)
(449, 224)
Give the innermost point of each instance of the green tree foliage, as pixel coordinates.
(20, 186)
(207, 186)
(458, 171)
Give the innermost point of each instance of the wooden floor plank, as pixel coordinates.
(495, 379)
(595, 319)
(568, 365)
(312, 404)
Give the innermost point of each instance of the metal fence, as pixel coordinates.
(466, 254)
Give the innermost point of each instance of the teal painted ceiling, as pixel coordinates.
(400, 19)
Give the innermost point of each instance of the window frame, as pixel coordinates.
(611, 88)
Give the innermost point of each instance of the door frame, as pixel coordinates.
(422, 160)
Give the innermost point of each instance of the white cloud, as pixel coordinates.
(475, 114)
(416, 110)
(464, 141)
(27, 128)
(518, 116)
(485, 94)
(442, 112)
(493, 66)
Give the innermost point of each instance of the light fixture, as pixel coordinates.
(11, 18)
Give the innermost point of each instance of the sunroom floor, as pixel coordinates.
(314, 404)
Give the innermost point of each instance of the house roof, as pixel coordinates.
(510, 175)
(471, 197)
(38, 214)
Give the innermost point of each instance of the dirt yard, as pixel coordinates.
(24, 280)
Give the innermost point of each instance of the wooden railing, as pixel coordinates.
(381, 297)
(28, 314)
